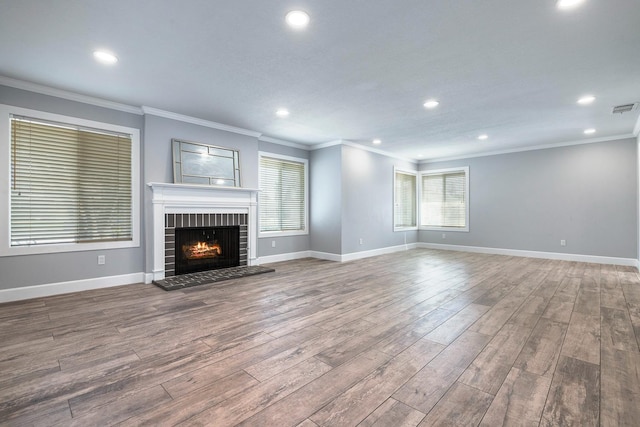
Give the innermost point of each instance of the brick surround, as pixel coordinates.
(188, 220)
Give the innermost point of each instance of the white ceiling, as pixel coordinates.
(512, 69)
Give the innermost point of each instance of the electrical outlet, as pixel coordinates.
(361, 241)
(444, 235)
(273, 243)
(101, 260)
(563, 242)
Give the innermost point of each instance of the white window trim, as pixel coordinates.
(5, 182)
(265, 234)
(468, 201)
(397, 170)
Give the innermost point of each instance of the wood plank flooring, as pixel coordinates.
(417, 338)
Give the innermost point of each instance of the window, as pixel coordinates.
(72, 184)
(445, 199)
(404, 200)
(283, 195)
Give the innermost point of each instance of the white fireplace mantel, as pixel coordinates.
(199, 199)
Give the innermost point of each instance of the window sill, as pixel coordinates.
(396, 229)
(66, 247)
(267, 234)
(447, 229)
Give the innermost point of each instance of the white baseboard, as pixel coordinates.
(326, 256)
(283, 257)
(594, 259)
(37, 291)
(336, 257)
(375, 252)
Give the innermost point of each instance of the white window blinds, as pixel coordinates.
(282, 195)
(444, 199)
(404, 213)
(68, 184)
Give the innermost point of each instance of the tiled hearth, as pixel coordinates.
(184, 205)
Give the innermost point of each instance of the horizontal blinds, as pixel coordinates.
(444, 200)
(282, 198)
(405, 200)
(68, 185)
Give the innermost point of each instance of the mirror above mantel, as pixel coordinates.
(203, 164)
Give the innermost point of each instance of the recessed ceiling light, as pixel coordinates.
(431, 103)
(297, 19)
(483, 137)
(589, 131)
(568, 4)
(586, 100)
(282, 112)
(105, 57)
(376, 142)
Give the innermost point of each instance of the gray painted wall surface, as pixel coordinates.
(367, 201)
(326, 201)
(584, 194)
(29, 270)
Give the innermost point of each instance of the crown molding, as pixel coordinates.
(291, 144)
(360, 147)
(325, 144)
(377, 151)
(71, 96)
(196, 121)
(529, 148)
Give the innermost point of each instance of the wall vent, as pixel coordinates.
(625, 108)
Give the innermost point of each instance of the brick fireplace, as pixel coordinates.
(177, 206)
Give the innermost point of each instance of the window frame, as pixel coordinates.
(464, 229)
(286, 233)
(413, 173)
(6, 111)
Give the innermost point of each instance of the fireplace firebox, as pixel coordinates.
(206, 248)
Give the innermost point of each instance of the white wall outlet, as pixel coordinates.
(101, 260)
(444, 235)
(563, 242)
(273, 243)
(361, 241)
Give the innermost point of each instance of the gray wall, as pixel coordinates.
(28, 270)
(352, 198)
(326, 200)
(367, 201)
(584, 194)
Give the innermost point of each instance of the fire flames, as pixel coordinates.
(202, 250)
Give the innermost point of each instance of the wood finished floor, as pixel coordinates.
(414, 338)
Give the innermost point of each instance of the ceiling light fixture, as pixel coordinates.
(297, 19)
(431, 103)
(483, 137)
(586, 100)
(568, 4)
(282, 112)
(105, 57)
(376, 142)
(589, 131)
